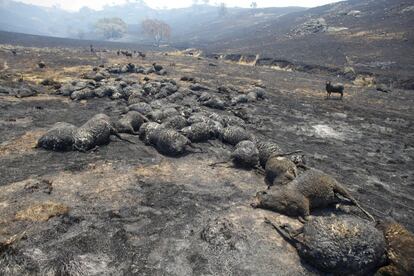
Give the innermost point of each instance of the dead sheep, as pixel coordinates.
(68, 89)
(130, 122)
(234, 134)
(259, 93)
(147, 132)
(198, 118)
(215, 103)
(51, 82)
(400, 245)
(280, 171)
(166, 90)
(162, 72)
(95, 132)
(266, 149)
(171, 143)
(205, 96)
(167, 141)
(176, 97)
(105, 91)
(245, 155)
(312, 189)
(198, 87)
(206, 127)
(199, 132)
(156, 116)
(186, 78)
(243, 113)
(159, 104)
(135, 97)
(151, 88)
(58, 138)
(239, 99)
(117, 95)
(176, 122)
(141, 107)
(82, 94)
(208, 100)
(344, 245)
(169, 112)
(252, 96)
(131, 90)
(160, 115)
(230, 120)
(6, 90)
(23, 92)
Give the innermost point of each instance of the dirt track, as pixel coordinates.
(132, 210)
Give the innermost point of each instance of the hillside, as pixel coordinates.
(24, 18)
(368, 36)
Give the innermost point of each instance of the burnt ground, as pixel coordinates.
(132, 210)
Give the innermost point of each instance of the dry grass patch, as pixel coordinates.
(364, 81)
(25, 143)
(42, 212)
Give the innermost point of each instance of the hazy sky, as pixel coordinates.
(98, 4)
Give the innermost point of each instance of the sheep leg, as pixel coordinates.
(285, 234)
(343, 192)
(292, 232)
(194, 147)
(260, 170)
(218, 163)
(123, 139)
(286, 153)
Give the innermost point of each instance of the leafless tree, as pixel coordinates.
(157, 29)
(222, 10)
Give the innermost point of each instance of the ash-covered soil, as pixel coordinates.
(126, 209)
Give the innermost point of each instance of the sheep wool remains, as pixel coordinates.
(170, 142)
(234, 134)
(312, 189)
(199, 132)
(94, 132)
(245, 155)
(344, 245)
(58, 138)
(130, 122)
(266, 149)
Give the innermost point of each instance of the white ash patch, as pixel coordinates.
(325, 131)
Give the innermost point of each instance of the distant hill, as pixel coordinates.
(360, 37)
(31, 19)
(375, 36)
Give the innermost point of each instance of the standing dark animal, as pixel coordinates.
(128, 54)
(41, 64)
(118, 53)
(334, 88)
(14, 52)
(92, 50)
(141, 55)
